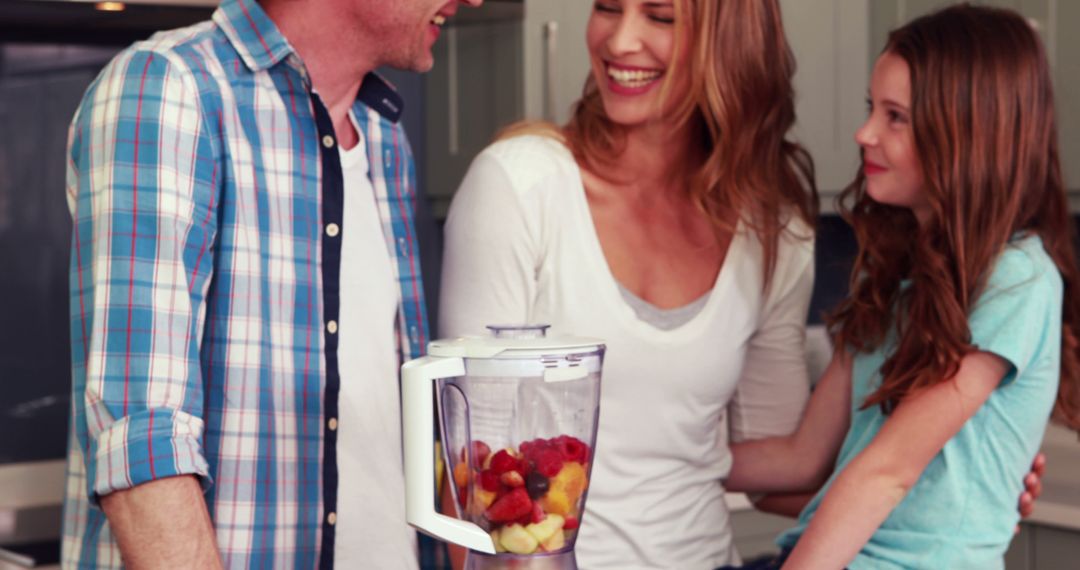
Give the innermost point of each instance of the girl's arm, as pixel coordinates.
(803, 460)
(868, 488)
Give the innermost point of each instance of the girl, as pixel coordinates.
(960, 335)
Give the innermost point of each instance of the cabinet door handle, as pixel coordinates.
(454, 111)
(551, 54)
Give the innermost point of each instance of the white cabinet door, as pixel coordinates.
(556, 60)
(830, 39)
(474, 90)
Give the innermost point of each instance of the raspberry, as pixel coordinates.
(572, 448)
(548, 462)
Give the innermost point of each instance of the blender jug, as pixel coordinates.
(518, 416)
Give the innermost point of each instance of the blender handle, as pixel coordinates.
(417, 380)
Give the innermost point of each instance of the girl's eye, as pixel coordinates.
(869, 106)
(897, 117)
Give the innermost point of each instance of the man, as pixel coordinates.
(244, 286)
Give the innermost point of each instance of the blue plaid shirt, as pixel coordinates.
(206, 190)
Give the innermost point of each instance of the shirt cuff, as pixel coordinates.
(151, 445)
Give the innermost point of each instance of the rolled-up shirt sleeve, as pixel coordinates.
(141, 186)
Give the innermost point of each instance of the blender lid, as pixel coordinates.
(514, 341)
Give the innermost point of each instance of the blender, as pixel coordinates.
(518, 412)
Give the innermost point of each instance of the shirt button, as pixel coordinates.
(332, 327)
(333, 229)
(332, 424)
(328, 141)
(331, 519)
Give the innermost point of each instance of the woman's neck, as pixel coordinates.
(656, 157)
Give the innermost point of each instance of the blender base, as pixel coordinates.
(548, 561)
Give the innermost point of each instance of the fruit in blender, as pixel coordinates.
(571, 479)
(555, 542)
(489, 480)
(536, 484)
(545, 529)
(512, 479)
(503, 461)
(461, 474)
(481, 500)
(572, 448)
(556, 502)
(498, 543)
(514, 538)
(510, 507)
(480, 453)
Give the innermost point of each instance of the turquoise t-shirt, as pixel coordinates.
(962, 511)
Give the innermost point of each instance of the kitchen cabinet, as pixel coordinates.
(556, 57)
(475, 89)
(830, 39)
(1043, 547)
(507, 61)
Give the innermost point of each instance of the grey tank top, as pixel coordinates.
(663, 319)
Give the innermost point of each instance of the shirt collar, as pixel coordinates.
(261, 45)
(252, 33)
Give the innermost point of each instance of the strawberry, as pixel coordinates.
(512, 479)
(538, 514)
(489, 480)
(502, 462)
(510, 507)
(571, 523)
(463, 496)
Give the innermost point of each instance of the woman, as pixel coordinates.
(671, 218)
(689, 252)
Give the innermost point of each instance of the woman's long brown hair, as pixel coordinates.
(983, 119)
(740, 103)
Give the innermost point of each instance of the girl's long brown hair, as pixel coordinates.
(982, 109)
(740, 103)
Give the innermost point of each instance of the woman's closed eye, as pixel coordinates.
(663, 14)
(607, 6)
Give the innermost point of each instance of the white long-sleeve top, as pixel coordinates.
(521, 247)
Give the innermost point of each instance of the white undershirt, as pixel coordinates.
(521, 247)
(371, 529)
